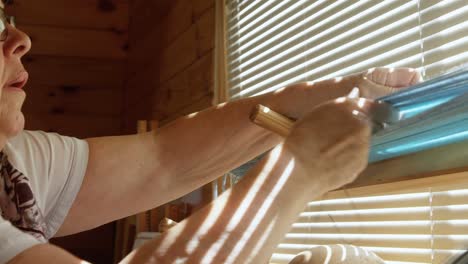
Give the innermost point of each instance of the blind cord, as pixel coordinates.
(353, 207)
(305, 47)
(421, 38)
(431, 218)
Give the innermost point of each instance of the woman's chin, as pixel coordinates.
(16, 126)
(20, 124)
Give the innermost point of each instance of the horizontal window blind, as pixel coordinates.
(274, 43)
(426, 224)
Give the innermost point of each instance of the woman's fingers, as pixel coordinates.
(379, 82)
(394, 77)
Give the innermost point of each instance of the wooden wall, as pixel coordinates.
(170, 64)
(77, 69)
(77, 64)
(171, 56)
(98, 66)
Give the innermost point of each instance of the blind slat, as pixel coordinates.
(457, 197)
(381, 240)
(384, 227)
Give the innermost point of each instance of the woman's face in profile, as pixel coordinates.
(13, 77)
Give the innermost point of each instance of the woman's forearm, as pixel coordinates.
(244, 224)
(196, 149)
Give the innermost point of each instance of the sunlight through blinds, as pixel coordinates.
(274, 43)
(278, 42)
(427, 224)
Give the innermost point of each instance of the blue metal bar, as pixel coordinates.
(432, 114)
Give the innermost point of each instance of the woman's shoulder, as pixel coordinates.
(28, 136)
(35, 148)
(38, 139)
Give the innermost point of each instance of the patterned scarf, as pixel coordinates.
(17, 202)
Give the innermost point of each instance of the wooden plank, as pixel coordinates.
(187, 87)
(179, 55)
(174, 94)
(145, 50)
(81, 72)
(89, 14)
(142, 10)
(118, 240)
(74, 125)
(200, 6)
(206, 32)
(140, 86)
(66, 99)
(197, 106)
(85, 43)
(178, 20)
(74, 86)
(200, 76)
(146, 13)
(130, 239)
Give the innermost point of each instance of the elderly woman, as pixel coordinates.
(52, 185)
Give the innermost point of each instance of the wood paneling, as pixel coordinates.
(171, 64)
(146, 16)
(89, 14)
(201, 6)
(187, 87)
(47, 99)
(180, 75)
(75, 125)
(74, 86)
(142, 11)
(179, 19)
(179, 55)
(82, 72)
(205, 32)
(195, 106)
(86, 43)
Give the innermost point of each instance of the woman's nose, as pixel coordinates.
(17, 44)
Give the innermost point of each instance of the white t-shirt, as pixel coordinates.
(40, 176)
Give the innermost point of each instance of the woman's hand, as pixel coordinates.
(331, 143)
(378, 82)
(373, 83)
